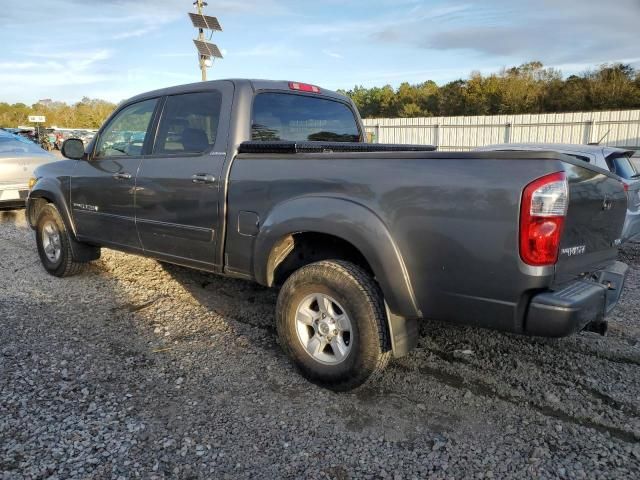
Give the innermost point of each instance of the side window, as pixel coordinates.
(189, 123)
(125, 134)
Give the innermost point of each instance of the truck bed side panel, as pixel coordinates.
(454, 221)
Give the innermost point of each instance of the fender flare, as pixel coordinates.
(350, 221)
(52, 191)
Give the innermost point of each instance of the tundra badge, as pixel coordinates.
(572, 251)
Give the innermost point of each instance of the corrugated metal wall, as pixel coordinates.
(622, 128)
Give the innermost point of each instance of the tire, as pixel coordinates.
(51, 230)
(360, 350)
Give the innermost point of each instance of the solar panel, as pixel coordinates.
(205, 21)
(207, 49)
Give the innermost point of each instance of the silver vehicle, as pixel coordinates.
(615, 160)
(18, 158)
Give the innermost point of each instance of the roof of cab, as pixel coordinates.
(255, 85)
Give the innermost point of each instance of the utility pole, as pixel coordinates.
(201, 37)
(206, 51)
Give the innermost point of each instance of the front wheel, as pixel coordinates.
(54, 244)
(332, 323)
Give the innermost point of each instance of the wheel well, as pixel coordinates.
(299, 249)
(35, 205)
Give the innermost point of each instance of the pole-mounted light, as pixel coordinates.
(207, 52)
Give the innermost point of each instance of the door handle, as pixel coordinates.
(122, 176)
(203, 178)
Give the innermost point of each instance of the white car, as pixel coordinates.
(616, 160)
(18, 158)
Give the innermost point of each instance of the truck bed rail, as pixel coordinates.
(328, 147)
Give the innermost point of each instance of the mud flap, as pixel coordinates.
(82, 252)
(403, 332)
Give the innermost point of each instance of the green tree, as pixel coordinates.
(527, 88)
(88, 113)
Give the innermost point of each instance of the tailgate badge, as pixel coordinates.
(572, 251)
(607, 203)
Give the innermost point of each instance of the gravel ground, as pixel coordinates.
(137, 369)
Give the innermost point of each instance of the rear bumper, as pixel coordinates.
(569, 310)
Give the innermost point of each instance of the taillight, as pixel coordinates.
(304, 87)
(542, 214)
(625, 186)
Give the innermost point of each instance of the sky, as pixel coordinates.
(114, 49)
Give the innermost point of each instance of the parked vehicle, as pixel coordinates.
(270, 181)
(616, 160)
(18, 159)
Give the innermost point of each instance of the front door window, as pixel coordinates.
(126, 133)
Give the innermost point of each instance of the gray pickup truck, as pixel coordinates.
(271, 181)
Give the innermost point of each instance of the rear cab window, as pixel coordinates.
(302, 118)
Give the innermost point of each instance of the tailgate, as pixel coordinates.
(593, 226)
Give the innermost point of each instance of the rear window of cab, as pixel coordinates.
(299, 118)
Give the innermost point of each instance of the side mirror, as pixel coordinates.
(73, 148)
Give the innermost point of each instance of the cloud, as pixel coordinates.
(215, 7)
(250, 7)
(332, 54)
(415, 16)
(58, 69)
(11, 66)
(560, 31)
(87, 23)
(139, 32)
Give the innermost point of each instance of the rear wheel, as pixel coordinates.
(332, 323)
(54, 244)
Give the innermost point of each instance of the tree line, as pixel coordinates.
(528, 88)
(87, 113)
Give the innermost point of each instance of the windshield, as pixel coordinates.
(291, 117)
(623, 166)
